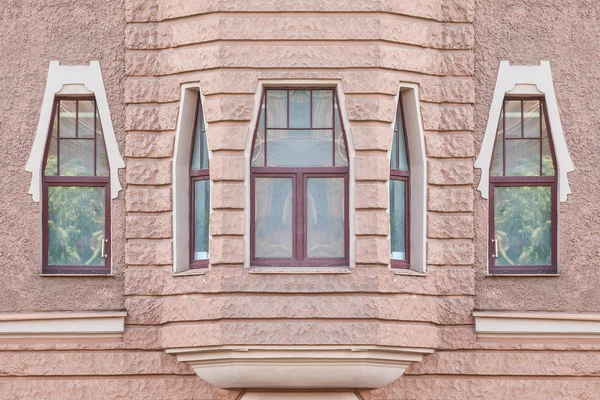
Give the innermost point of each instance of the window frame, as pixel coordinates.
(524, 181)
(299, 177)
(197, 175)
(76, 181)
(401, 175)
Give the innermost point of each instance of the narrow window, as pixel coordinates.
(200, 192)
(76, 191)
(299, 181)
(399, 193)
(523, 185)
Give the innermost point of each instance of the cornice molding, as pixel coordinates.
(299, 367)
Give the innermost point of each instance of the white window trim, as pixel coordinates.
(181, 175)
(525, 80)
(73, 80)
(300, 83)
(418, 173)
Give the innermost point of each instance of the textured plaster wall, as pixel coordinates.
(32, 33)
(568, 35)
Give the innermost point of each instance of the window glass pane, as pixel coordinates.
(341, 154)
(204, 163)
(523, 157)
(402, 158)
(531, 119)
(547, 162)
(273, 222)
(76, 225)
(523, 225)
(322, 107)
(101, 157)
(513, 118)
(197, 140)
(52, 160)
(300, 148)
(201, 218)
(277, 109)
(258, 156)
(76, 157)
(86, 114)
(398, 219)
(299, 108)
(394, 155)
(325, 217)
(497, 168)
(68, 115)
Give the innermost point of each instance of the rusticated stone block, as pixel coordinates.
(456, 172)
(371, 195)
(426, 62)
(141, 64)
(441, 90)
(227, 195)
(448, 118)
(227, 223)
(372, 168)
(448, 146)
(373, 251)
(149, 145)
(149, 226)
(141, 10)
(226, 251)
(227, 137)
(227, 168)
(141, 37)
(458, 10)
(372, 223)
(148, 172)
(148, 253)
(450, 200)
(372, 137)
(142, 90)
(148, 200)
(151, 118)
(450, 253)
(225, 108)
(450, 227)
(372, 108)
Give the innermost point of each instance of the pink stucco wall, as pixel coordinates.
(148, 48)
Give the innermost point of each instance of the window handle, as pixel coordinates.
(103, 255)
(495, 254)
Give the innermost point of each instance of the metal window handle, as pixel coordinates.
(103, 255)
(495, 254)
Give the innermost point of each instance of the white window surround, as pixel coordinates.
(181, 175)
(73, 80)
(418, 173)
(299, 83)
(525, 80)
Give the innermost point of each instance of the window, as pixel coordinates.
(399, 193)
(523, 190)
(200, 192)
(76, 191)
(299, 181)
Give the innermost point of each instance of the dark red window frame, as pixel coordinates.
(197, 175)
(402, 175)
(80, 181)
(523, 181)
(299, 188)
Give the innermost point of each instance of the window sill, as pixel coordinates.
(191, 272)
(522, 275)
(77, 275)
(300, 270)
(408, 272)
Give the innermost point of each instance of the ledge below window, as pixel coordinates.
(300, 270)
(299, 367)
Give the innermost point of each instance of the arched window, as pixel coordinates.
(200, 192)
(299, 181)
(399, 193)
(523, 190)
(76, 191)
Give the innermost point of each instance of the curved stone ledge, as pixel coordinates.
(299, 367)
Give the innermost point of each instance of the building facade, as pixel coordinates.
(299, 200)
